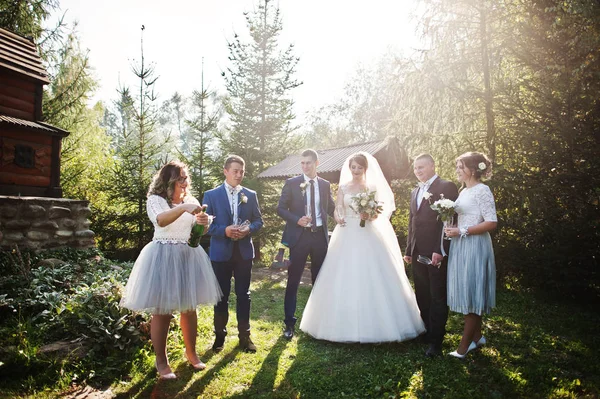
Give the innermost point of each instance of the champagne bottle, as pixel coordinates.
(197, 232)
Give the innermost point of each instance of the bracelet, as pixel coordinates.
(464, 231)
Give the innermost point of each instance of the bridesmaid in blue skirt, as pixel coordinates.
(471, 265)
(170, 276)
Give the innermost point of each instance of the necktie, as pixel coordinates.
(313, 212)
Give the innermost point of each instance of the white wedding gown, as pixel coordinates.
(362, 293)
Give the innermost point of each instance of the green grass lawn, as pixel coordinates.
(535, 349)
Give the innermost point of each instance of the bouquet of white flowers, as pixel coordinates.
(445, 209)
(364, 202)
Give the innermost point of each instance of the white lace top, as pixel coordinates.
(176, 232)
(475, 205)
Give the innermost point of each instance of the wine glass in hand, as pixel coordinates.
(308, 215)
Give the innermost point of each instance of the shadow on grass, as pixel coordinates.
(199, 385)
(264, 381)
(534, 350)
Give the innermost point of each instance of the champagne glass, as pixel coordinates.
(447, 223)
(307, 213)
(426, 261)
(243, 226)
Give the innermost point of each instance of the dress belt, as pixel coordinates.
(315, 230)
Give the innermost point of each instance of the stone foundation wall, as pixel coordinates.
(44, 223)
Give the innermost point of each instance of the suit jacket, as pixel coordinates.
(424, 227)
(217, 201)
(291, 208)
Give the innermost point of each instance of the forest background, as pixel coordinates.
(517, 80)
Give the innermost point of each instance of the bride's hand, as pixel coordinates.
(365, 216)
(340, 220)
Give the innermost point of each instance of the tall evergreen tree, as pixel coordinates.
(138, 157)
(203, 127)
(259, 81)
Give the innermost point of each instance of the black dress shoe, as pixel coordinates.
(289, 332)
(247, 345)
(433, 351)
(219, 343)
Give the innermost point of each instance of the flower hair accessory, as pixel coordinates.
(482, 166)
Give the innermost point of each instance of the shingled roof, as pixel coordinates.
(31, 126)
(20, 55)
(332, 160)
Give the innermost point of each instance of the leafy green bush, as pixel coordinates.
(71, 300)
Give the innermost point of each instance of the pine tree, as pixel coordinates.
(203, 127)
(259, 81)
(138, 157)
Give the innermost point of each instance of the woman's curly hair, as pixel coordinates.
(163, 182)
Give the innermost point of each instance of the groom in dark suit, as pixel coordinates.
(231, 249)
(304, 204)
(425, 238)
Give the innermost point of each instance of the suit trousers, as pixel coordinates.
(241, 270)
(430, 290)
(310, 243)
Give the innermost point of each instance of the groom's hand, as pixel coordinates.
(408, 259)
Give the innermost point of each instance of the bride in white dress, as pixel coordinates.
(362, 293)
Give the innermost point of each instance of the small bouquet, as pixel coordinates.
(445, 209)
(364, 202)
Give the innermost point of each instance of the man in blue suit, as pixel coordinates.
(304, 204)
(231, 250)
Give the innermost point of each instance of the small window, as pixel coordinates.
(24, 156)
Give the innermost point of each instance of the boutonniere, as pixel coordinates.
(303, 187)
(427, 195)
(243, 198)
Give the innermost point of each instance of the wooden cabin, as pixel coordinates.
(391, 157)
(29, 148)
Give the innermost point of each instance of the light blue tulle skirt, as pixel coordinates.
(472, 274)
(170, 277)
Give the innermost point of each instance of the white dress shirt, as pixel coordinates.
(423, 189)
(233, 194)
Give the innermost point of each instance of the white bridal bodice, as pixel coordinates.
(179, 230)
(475, 205)
(349, 213)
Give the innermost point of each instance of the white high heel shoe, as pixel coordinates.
(482, 341)
(457, 355)
(165, 376)
(197, 366)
